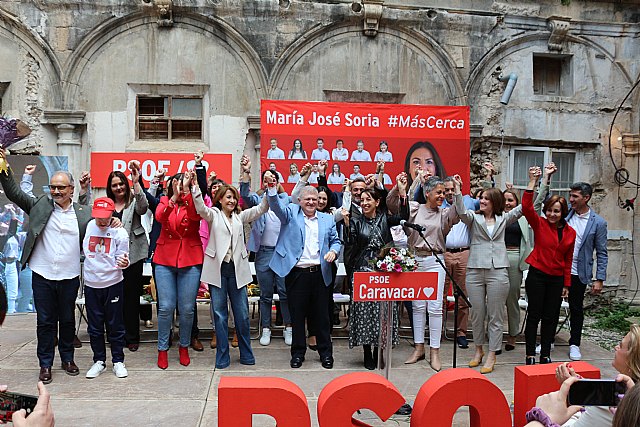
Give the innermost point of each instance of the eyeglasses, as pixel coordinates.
(58, 187)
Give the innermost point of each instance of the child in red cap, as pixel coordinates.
(106, 251)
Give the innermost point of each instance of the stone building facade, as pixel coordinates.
(88, 75)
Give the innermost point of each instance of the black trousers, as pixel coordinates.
(576, 300)
(309, 298)
(131, 308)
(104, 307)
(55, 305)
(544, 294)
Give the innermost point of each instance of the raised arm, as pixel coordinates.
(543, 191)
(12, 190)
(401, 186)
(276, 203)
(26, 185)
(527, 198)
(302, 182)
(140, 199)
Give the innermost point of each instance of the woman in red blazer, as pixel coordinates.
(549, 274)
(178, 264)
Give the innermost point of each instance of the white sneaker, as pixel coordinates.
(96, 369)
(574, 352)
(265, 338)
(288, 335)
(553, 346)
(120, 370)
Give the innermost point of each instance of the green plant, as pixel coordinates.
(613, 317)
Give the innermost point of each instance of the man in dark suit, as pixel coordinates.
(52, 248)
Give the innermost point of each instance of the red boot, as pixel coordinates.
(184, 356)
(163, 359)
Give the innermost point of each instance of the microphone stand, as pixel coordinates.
(457, 293)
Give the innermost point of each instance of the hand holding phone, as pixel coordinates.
(588, 392)
(11, 403)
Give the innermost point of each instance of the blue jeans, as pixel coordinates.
(104, 307)
(25, 291)
(240, 307)
(270, 281)
(176, 286)
(55, 302)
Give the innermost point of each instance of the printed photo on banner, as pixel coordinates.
(33, 174)
(355, 138)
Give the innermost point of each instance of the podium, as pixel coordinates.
(387, 289)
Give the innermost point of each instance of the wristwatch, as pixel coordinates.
(537, 414)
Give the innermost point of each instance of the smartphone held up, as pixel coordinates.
(12, 402)
(589, 392)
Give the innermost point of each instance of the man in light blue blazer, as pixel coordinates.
(306, 247)
(591, 235)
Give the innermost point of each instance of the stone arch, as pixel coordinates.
(212, 27)
(419, 47)
(12, 29)
(510, 47)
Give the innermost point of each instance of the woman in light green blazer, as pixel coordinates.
(519, 242)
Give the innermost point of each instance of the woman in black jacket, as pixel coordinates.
(366, 235)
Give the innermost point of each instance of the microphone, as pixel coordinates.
(416, 227)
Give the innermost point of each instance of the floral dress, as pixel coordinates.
(368, 236)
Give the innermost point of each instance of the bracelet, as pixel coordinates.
(537, 414)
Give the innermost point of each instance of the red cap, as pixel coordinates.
(103, 207)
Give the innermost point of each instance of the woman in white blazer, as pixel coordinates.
(226, 266)
(487, 276)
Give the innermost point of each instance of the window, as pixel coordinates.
(552, 75)
(169, 117)
(565, 160)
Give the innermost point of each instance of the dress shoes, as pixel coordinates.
(76, 342)
(196, 344)
(462, 342)
(70, 368)
(327, 362)
(296, 361)
(133, 347)
(45, 375)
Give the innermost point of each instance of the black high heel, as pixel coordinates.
(530, 360)
(509, 347)
(545, 360)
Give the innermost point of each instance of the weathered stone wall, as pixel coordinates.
(73, 68)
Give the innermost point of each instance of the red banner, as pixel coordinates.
(406, 286)
(103, 163)
(355, 136)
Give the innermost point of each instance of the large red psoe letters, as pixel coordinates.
(436, 402)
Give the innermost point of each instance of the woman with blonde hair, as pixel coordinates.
(518, 238)
(226, 266)
(626, 360)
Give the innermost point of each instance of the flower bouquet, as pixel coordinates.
(12, 131)
(394, 260)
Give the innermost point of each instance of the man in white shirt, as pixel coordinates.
(313, 176)
(360, 155)
(307, 246)
(52, 248)
(356, 173)
(340, 153)
(320, 153)
(274, 152)
(456, 257)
